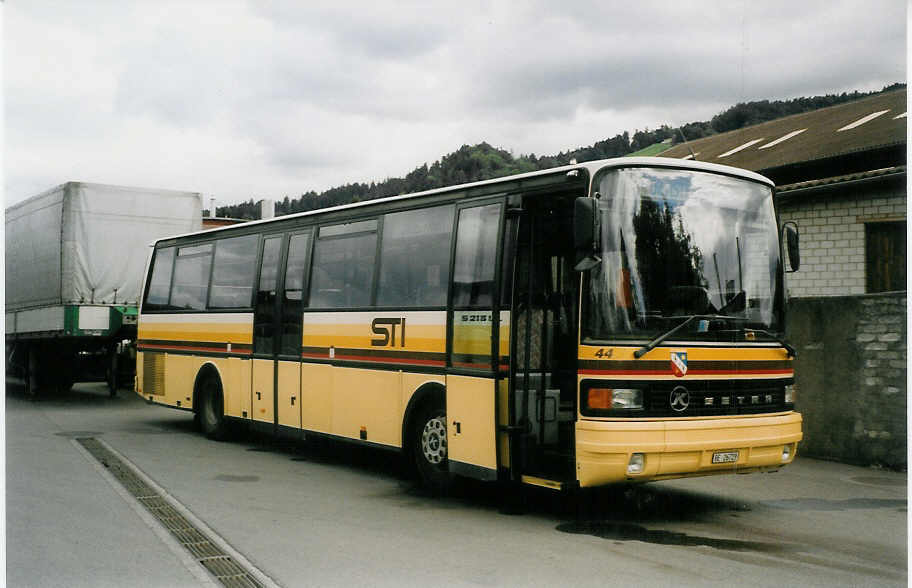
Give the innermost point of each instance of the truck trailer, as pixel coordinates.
(75, 256)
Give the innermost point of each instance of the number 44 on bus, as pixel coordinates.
(611, 321)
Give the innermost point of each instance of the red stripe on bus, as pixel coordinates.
(377, 360)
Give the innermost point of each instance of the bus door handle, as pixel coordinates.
(258, 396)
(292, 400)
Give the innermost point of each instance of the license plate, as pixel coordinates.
(725, 457)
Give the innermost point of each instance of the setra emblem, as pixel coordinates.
(679, 363)
(679, 399)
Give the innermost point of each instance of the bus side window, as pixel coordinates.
(159, 291)
(476, 247)
(343, 268)
(264, 311)
(473, 286)
(415, 257)
(292, 305)
(191, 277)
(233, 272)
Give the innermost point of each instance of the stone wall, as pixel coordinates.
(851, 377)
(832, 228)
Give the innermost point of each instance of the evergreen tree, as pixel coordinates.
(472, 163)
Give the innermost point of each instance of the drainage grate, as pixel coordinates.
(221, 565)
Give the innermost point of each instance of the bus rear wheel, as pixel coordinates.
(211, 412)
(429, 448)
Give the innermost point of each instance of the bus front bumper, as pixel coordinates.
(683, 447)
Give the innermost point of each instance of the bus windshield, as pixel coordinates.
(680, 243)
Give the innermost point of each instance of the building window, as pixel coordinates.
(885, 256)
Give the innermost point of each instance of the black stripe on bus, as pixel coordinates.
(196, 353)
(202, 344)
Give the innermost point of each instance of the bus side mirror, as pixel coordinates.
(586, 233)
(791, 244)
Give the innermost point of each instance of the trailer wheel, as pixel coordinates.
(212, 409)
(112, 373)
(429, 447)
(31, 373)
(65, 377)
(64, 384)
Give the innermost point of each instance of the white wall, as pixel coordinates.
(833, 237)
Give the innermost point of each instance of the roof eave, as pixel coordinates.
(840, 183)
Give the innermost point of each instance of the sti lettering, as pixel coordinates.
(385, 328)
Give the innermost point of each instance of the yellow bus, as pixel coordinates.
(608, 321)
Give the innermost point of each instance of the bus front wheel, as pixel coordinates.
(212, 410)
(429, 439)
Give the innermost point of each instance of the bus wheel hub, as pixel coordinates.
(434, 440)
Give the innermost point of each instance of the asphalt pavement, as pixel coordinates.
(66, 523)
(301, 514)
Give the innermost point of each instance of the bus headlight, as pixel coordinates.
(614, 399)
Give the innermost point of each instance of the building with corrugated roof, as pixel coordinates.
(840, 174)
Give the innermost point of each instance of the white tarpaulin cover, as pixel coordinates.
(83, 243)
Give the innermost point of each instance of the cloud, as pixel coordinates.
(251, 99)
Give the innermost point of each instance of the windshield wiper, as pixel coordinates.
(652, 344)
(658, 340)
(790, 351)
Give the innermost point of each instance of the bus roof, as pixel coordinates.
(590, 166)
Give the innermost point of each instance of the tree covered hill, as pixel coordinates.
(472, 163)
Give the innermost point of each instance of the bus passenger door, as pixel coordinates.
(265, 331)
(291, 305)
(471, 387)
(543, 342)
(277, 330)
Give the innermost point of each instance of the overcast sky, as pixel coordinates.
(266, 99)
